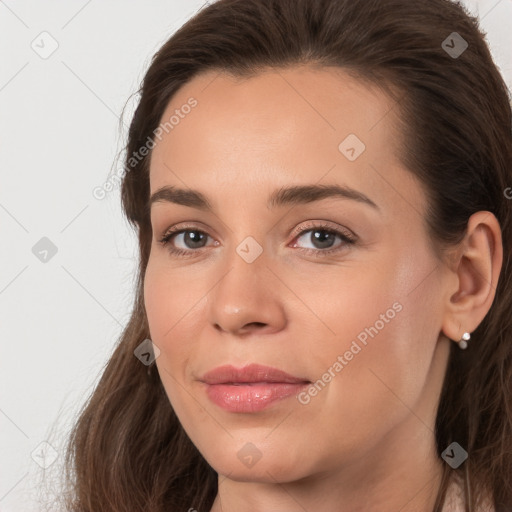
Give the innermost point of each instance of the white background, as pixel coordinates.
(59, 137)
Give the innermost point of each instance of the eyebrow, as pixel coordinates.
(294, 195)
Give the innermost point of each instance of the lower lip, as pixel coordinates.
(251, 397)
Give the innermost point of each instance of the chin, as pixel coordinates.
(266, 469)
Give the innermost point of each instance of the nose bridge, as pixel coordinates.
(246, 294)
(247, 269)
(247, 238)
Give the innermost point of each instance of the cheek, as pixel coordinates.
(171, 298)
(385, 331)
(172, 302)
(157, 303)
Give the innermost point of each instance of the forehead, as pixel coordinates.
(279, 126)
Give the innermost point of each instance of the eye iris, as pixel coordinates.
(193, 237)
(323, 236)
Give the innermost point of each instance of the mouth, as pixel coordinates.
(250, 374)
(250, 389)
(250, 397)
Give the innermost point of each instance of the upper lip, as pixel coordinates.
(228, 374)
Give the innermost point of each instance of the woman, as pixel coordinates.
(322, 315)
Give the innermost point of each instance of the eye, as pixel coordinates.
(192, 238)
(321, 236)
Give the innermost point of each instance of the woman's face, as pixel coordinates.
(277, 282)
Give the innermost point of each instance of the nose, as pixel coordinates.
(249, 298)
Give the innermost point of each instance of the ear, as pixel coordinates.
(474, 276)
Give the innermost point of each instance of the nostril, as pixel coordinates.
(256, 324)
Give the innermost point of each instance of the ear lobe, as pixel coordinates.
(477, 270)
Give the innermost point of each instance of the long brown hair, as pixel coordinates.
(127, 450)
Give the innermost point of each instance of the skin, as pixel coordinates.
(366, 441)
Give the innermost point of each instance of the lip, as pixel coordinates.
(228, 374)
(251, 388)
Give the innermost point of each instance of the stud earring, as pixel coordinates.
(463, 342)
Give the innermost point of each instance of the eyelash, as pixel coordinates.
(347, 239)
